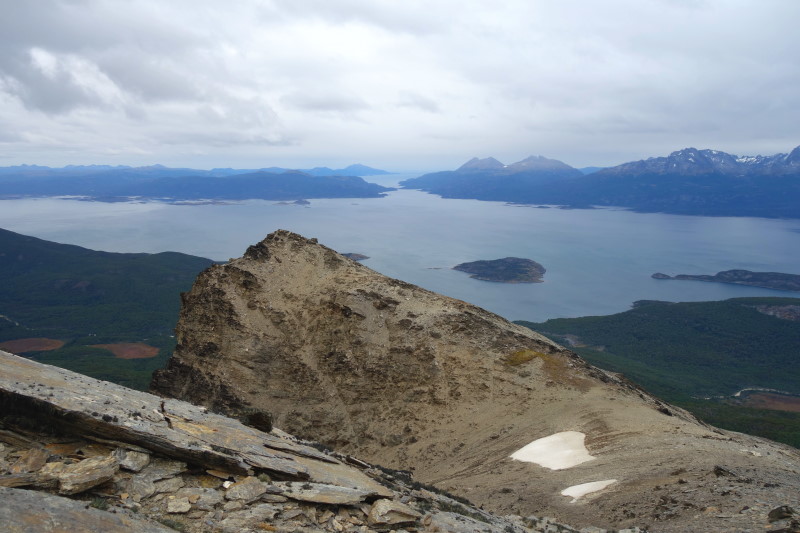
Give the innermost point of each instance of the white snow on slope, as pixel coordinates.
(556, 452)
(576, 491)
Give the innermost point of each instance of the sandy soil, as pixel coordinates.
(38, 344)
(129, 350)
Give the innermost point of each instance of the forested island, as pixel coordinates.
(506, 270)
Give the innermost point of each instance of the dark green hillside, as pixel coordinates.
(698, 354)
(84, 297)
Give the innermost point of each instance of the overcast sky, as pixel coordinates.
(396, 84)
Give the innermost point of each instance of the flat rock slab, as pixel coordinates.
(170, 427)
(26, 511)
(390, 512)
(82, 476)
(131, 460)
(249, 489)
(321, 493)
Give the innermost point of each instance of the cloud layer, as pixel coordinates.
(405, 85)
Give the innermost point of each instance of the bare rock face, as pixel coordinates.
(417, 381)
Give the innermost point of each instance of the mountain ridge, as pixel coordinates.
(688, 181)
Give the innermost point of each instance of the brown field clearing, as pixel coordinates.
(129, 350)
(776, 402)
(38, 344)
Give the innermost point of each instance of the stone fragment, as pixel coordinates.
(131, 460)
(202, 498)
(82, 476)
(142, 485)
(457, 523)
(20, 480)
(322, 493)
(179, 505)
(292, 514)
(30, 461)
(51, 471)
(168, 485)
(232, 505)
(241, 520)
(274, 498)
(219, 473)
(780, 513)
(247, 490)
(389, 512)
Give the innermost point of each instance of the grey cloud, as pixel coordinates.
(588, 82)
(418, 101)
(56, 93)
(324, 102)
(150, 78)
(411, 16)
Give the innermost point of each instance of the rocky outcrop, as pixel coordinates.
(77, 454)
(417, 381)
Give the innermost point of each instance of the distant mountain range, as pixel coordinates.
(689, 181)
(103, 182)
(160, 171)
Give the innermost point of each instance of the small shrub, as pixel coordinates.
(99, 503)
(173, 524)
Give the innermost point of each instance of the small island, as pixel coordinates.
(507, 270)
(766, 280)
(356, 257)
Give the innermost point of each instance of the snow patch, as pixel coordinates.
(577, 491)
(556, 452)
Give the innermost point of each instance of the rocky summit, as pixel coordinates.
(328, 349)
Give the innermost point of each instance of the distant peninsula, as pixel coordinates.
(507, 270)
(766, 280)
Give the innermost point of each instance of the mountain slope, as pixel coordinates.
(78, 298)
(62, 287)
(422, 382)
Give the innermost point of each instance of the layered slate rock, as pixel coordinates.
(25, 511)
(416, 381)
(60, 470)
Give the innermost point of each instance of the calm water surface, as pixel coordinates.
(597, 261)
